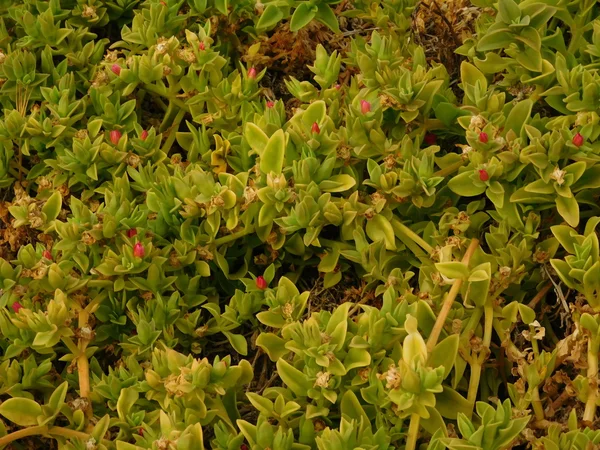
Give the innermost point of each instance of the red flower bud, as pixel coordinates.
(16, 306)
(365, 107)
(131, 232)
(252, 73)
(141, 432)
(338, 86)
(315, 128)
(261, 283)
(138, 250)
(163, 3)
(46, 254)
(578, 140)
(201, 46)
(116, 69)
(484, 175)
(483, 138)
(115, 136)
(430, 139)
(144, 135)
(270, 104)
(244, 447)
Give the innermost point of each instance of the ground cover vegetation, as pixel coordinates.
(299, 224)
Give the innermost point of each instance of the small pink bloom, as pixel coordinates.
(46, 254)
(138, 250)
(16, 306)
(430, 139)
(578, 140)
(244, 447)
(115, 136)
(252, 73)
(338, 86)
(201, 46)
(365, 107)
(315, 128)
(131, 232)
(270, 104)
(261, 283)
(144, 135)
(116, 69)
(483, 138)
(484, 175)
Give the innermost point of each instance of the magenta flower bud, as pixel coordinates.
(46, 254)
(270, 104)
(261, 283)
(578, 140)
(115, 136)
(365, 106)
(116, 69)
(201, 46)
(144, 135)
(252, 73)
(138, 250)
(16, 306)
(483, 138)
(131, 232)
(315, 128)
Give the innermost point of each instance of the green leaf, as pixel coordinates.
(455, 270)
(326, 16)
(444, 354)
(51, 208)
(302, 16)
(463, 185)
(508, 11)
(21, 411)
(338, 183)
(255, 137)
(273, 155)
(127, 399)
(379, 228)
(238, 342)
(470, 74)
(269, 18)
(518, 116)
(273, 345)
(568, 209)
(297, 381)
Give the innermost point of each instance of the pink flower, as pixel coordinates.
(131, 232)
(365, 107)
(338, 86)
(261, 283)
(252, 73)
(270, 104)
(430, 139)
(578, 140)
(116, 69)
(46, 254)
(484, 175)
(201, 46)
(315, 128)
(138, 250)
(115, 136)
(16, 306)
(483, 138)
(144, 135)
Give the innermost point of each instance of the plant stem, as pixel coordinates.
(152, 88)
(403, 229)
(20, 434)
(413, 432)
(592, 374)
(173, 131)
(449, 300)
(489, 322)
(44, 430)
(538, 409)
(474, 385)
(83, 365)
(234, 236)
(450, 169)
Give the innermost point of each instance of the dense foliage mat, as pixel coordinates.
(298, 224)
